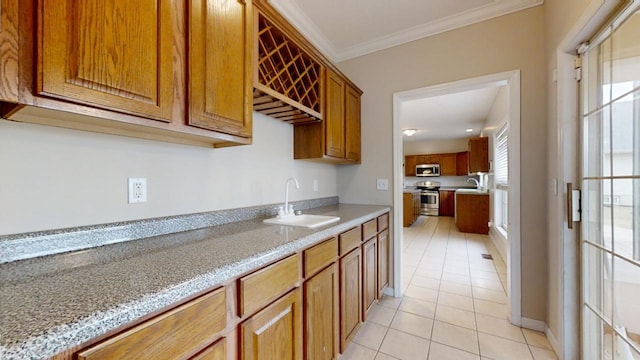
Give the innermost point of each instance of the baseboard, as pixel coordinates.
(536, 325)
(388, 291)
(500, 242)
(554, 342)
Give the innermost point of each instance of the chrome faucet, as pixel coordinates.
(475, 181)
(287, 210)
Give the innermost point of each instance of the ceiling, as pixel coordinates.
(344, 29)
(447, 116)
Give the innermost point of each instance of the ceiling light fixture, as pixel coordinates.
(469, 130)
(409, 132)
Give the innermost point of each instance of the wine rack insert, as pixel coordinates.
(287, 82)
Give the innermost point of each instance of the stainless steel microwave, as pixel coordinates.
(428, 170)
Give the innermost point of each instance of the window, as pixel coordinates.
(501, 178)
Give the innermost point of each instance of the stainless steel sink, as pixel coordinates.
(305, 220)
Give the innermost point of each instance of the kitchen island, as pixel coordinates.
(54, 303)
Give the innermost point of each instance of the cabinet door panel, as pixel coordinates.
(114, 54)
(220, 66)
(217, 351)
(478, 155)
(350, 296)
(9, 50)
(410, 162)
(321, 315)
(275, 332)
(448, 165)
(383, 261)
(369, 272)
(334, 115)
(352, 124)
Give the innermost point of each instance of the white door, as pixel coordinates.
(610, 243)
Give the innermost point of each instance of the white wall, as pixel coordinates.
(55, 178)
(506, 43)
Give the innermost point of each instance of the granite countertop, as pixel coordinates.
(453, 188)
(52, 303)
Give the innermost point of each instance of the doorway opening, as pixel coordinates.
(511, 82)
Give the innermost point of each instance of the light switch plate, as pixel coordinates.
(382, 184)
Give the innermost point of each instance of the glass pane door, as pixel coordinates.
(611, 192)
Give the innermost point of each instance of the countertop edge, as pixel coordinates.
(66, 336)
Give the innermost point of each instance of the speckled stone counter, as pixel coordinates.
(52, 303)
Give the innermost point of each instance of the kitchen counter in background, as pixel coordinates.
(56, 302)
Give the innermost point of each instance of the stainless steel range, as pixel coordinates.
(429, 197)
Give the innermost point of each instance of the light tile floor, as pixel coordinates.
(455, 305)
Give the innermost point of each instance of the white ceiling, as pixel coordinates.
(344, 29)
(447, 116)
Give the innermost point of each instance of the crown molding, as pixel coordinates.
(298, 18)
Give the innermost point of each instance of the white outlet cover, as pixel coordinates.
(137, 190)
(382, 184)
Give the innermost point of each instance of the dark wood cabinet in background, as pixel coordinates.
(472, 213)
(448, 165)
(410, 165)
(447, 203)
(462, 163)
(478, 155)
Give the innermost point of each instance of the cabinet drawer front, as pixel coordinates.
(263, 286)
(217, 351)
(369, 229)
(171, 335)
(383, 221)
(350, 240)
(319, 256)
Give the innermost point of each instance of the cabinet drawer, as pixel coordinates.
(369, 229)
(319, 256)
(350, 240)
(383, 222)
(217, 351)
(171, 335)
(265, 285)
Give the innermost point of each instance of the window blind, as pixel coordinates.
(501, 171)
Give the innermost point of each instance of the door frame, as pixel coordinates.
(512, 80)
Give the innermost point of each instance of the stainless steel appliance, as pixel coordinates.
(429, 197)
(428, 170)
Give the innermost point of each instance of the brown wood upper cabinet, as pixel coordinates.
(220, 66)
(108, 53)
(337, 138)
(462, 163)
(410, 165)
(448, 165)
(478, 155)
(9, 51)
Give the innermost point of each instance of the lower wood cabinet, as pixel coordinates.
(447, 203)
(369, 275)
(383, 261)
(350, 296)
(172, 335)
(321, 318)
(275, 332)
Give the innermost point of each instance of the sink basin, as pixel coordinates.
(471, 191)
(305, 220)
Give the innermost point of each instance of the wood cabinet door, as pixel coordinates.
(410, 165)
(220, 73)
(462, 163)
(448, 165)
(275, 332)
(9, 50)
(478, 155)
(383, 261)
(113, 54)
(321, 319)
(369, 275)
(350, 296)
(334, 115)
(352, 124)
(407, 209)
(217, 351)
(447, 203)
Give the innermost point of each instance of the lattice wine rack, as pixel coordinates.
(287, 82)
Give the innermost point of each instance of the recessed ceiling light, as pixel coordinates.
(469, 130)
(409, 132)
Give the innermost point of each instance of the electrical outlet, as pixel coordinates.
(382, 184)
(137, 190)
